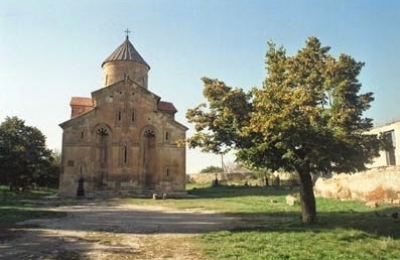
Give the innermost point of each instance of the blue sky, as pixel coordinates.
(51, 50)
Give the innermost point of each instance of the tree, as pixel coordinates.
(306, 118)
(48, 175)
(23, 153)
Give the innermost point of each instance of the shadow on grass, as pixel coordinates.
(224, 191)
(377, 222)
(11, 215)
(337, 215)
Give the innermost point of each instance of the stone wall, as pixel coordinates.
(228, 178)
(378, 184)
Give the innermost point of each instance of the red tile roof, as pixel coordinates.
(81, 101)
(166, 107)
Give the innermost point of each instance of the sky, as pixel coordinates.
(51, 50)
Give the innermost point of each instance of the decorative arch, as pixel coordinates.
(148, 130)
(149, 157)
(102, 156)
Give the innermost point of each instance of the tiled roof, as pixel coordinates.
(167, 107)
(81, 101)
(126, 51)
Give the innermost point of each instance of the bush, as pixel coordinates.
(211, 169)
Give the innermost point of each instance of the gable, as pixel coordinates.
(126, 96)
(78, 119)
(124, 91)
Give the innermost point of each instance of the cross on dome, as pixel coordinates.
(127, 33)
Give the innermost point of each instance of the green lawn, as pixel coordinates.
(273, 230)
(346, 230)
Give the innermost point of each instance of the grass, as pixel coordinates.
(346, 230)
(268, 228)
(19, 206)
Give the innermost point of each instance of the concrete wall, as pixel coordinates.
(380, 183)
(382, 159)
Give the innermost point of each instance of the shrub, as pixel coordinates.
(211, 169)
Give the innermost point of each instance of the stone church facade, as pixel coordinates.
(123, 140)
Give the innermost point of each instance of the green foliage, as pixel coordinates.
(212, 169)
(309, 113)
(23, 154)
(307, 117)
(49, 176)
(218, 126)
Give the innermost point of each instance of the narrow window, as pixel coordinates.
(119, 115)
(166, 136)
(82, 135)
(125, 152)
(133, 116)
(167, 172)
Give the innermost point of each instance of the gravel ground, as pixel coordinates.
(100, 230)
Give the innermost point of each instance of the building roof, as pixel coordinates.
(127, 52)
(81, 101)
(166, 107)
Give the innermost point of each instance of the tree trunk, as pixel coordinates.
(307, 199)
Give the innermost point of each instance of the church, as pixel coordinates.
(122, 141)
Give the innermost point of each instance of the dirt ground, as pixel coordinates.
(102, 230)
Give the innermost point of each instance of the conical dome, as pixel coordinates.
(127, 52)
(125, 62)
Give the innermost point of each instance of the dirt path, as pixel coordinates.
(99, 230)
